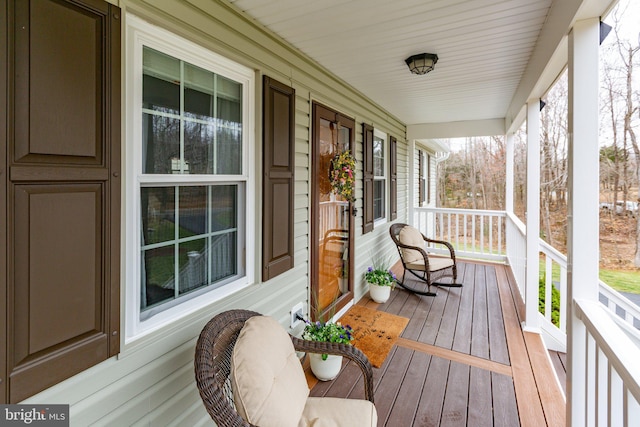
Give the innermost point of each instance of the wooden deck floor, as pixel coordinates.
(462, 360)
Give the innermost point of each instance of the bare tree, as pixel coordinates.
(621, 67)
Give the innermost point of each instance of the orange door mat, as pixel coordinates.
(374, 332)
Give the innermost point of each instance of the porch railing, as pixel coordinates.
(605, 375)
(501, 236)
(608, 384)
(473, 233)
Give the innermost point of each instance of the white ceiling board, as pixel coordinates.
(484, 48)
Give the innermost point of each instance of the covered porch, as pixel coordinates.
(462, 360)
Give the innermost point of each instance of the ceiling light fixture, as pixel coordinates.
(421, 63)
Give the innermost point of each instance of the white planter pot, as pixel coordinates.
(379, 294)
(325, 370)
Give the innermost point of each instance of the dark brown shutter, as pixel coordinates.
(393, 178)
(428, 179)
(367, 178)
(420, 177)
(278, 184)
(64, 191)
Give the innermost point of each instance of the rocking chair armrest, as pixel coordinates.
(442, 242)
(346, 350)
(424, 253)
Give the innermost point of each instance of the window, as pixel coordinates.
(379, 176)
(188, 198)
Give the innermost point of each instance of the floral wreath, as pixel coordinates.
(343, 175)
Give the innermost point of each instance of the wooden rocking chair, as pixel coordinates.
(415, 259)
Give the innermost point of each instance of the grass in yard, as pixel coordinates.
(621, 280)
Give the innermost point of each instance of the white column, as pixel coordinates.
(533, 215)
(509, 173)
(582, 231)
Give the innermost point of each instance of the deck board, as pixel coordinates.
(497, 338)
(559, 361)
(462, 338)
(480, 324)
(480, 404)
(453, 413)
(462, 360)
(505, 408)
(433, 393)
(404, 410)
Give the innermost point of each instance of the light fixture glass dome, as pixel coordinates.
(422, 63)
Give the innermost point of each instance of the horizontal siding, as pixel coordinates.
(151, 383)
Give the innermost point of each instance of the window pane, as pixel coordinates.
(158, 214)
(193, 265)
(198, 147)
(160, 144)
(199, 93)
(161, 82)
(192, 211)
(224, 256)
(378, 156)
(378, 198)
(224, 207)
(229, 139)
(158, 279)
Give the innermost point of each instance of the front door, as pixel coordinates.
(331, 219)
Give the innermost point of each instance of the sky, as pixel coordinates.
(629, 26)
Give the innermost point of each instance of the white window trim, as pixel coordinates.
(140, 33)
(385, 164)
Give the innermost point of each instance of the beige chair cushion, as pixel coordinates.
(411, 237)
(435, 264)
(269, 386)
(334, 412)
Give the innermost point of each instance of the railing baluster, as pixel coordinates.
(490, 234)
(457, 230)
(615, 398)
(602, 380)
(448, 227)
(473, 232)
(563, 299)
(631, 409)
(481, 233)
(548, 284)
(465, 232)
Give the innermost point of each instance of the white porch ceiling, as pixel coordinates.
(484, 47)
(491, 52)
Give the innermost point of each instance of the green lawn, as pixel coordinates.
(622, 280)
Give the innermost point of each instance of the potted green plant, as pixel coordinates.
(381, 280)
(326, 366)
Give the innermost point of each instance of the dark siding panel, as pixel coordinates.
(278, 185)
(64, 189)
(367, 178)
(393, 181)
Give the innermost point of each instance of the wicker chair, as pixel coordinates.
(411, 245)
(213, 355)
